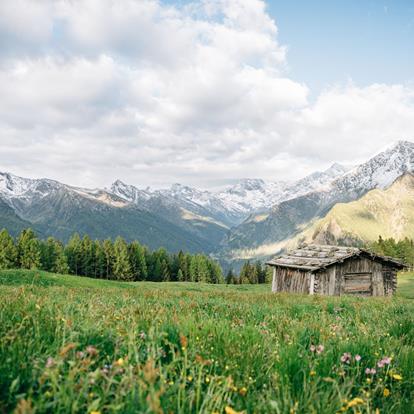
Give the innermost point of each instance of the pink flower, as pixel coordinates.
(346, 358)
(380, 364)
(319, 349)
(50, 362)
(312, 348)
(91, 350)
(386, 360)
(371, 371)
(357, 358)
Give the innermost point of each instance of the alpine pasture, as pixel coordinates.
(79, 345)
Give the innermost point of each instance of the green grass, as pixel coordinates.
(79, 345)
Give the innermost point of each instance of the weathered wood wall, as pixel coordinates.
(291, 280)
(357, 275)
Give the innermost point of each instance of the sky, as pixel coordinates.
(201, 92)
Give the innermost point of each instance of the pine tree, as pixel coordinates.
(122, 267)
(29, 251)
(230, 279)
(137, 261)
(108, 253)
(88, 257)
(8, 251)
(180, 276)
(73, 252)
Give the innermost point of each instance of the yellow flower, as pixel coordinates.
(243, 391)
(386, 392)
(312, 373)
(377, 411)
(189, 378)
(120, 362)
(397, 377)
(355, 402)
(95, 412)
(230, 410)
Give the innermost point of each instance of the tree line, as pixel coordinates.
(105, 259)
(250, 273)
(402, 249)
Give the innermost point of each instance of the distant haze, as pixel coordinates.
(201, 93)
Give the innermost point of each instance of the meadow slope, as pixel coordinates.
(70, 344)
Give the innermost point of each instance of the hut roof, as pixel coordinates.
(313, 257)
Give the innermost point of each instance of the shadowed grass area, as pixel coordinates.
(71, 344)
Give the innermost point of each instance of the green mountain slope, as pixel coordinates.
(10, 220)
(389, 213)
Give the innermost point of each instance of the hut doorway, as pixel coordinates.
(358, 284)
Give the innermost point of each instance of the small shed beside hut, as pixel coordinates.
(335, 270)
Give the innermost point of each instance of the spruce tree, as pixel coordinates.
(122, 267)
(29, 251)
(8, 251)
(108, 253)
(73, 252)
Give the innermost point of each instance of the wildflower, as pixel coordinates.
(67, 348)
(386, 360)
(371, 371)
(357, 358)
(80, 354)
(354, 402)
(380, 364)
(397, 377)
(346, 358)
(229, 410)
(386, 392)
(319, 349)
(142, 335)
(91, 350)
(312, 373)
(120, 362)
(95, 412)
(312, 348)
(183, 342)
(189, 378)
(50, 362)
(243, 391)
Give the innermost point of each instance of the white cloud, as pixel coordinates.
(94, 90)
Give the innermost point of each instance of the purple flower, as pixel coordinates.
(357, 358)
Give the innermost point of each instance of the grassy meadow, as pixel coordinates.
(79, 345)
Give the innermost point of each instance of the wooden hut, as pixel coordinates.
(335, 270)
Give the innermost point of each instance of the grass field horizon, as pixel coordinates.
(76, 344)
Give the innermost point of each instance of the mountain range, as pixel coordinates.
(252, 218)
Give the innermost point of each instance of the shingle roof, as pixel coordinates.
(313, 257)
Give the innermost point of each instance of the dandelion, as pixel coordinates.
(397, 377)
(312, 373)
(189, 378)
(120, 362)
(95, 412)
(386, 392)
